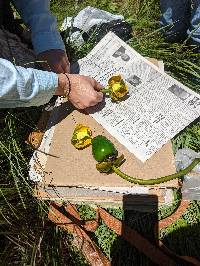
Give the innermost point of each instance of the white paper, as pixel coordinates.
(89, 17)
(158, 106)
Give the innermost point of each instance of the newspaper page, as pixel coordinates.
(157, 106)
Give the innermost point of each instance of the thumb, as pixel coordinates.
(98, 86)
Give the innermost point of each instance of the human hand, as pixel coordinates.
(54, 60)
(84, 91)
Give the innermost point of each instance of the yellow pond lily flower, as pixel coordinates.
(117, 88)
(82, 137)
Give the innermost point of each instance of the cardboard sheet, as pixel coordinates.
(67, 166)
(60, 166)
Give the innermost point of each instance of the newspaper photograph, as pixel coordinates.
(157, 106)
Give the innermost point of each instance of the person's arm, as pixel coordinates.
(21, 87)
(36, 14)
(46, 39)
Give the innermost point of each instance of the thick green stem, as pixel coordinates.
(156, 180)
(105, 90)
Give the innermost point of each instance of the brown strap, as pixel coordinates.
(144, 245)
(169, 220)
(89, 225)
(175, 216)
(92, 253)
(135, 239)
(159, 255)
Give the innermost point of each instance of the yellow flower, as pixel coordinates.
(81, 137)
(117, 87)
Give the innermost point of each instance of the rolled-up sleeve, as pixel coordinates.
(36, 14)
(21, 87)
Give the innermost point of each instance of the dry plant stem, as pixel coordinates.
(156, 180)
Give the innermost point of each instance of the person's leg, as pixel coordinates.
(12, 49)
(194, 29)
(175, 19)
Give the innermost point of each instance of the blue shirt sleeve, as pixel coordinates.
(36, 14)
(21, 87)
